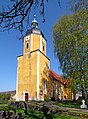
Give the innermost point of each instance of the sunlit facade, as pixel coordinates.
(35, 80)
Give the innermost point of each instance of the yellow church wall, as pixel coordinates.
(33, 81)
(23, 75)
(64, 92)
(54, 88)
(55, 82)
(44, 75)
(36, 42)
(27, 74)
(60, 92)
(67, 92)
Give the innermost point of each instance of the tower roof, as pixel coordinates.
(34, 22)
(34, 28)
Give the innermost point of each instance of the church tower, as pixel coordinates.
(33, 66)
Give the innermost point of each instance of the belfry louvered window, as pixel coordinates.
(27, 45)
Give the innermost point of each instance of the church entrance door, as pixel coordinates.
(26, 97)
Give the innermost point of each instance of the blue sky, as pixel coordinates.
(10, 47)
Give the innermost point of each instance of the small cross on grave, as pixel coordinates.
(83, 104)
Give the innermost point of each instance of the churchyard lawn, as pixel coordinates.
(33, 114)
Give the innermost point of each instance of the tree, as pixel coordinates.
(70, 35)
(76, 5)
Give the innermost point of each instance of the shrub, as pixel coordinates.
(47, 99)
(4, 98)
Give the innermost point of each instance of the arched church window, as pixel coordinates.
(44, 86)
(27, 45)
(56, 89)
(43, 48)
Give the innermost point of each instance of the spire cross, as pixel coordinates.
(34, 16)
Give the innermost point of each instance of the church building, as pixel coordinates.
(35, 79)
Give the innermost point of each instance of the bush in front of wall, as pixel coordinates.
(4, 98)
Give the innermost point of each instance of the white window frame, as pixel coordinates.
(56, 88)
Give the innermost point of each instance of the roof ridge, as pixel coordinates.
(57, 77)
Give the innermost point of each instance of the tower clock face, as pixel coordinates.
(27, 38)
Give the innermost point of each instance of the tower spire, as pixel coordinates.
(34, 16)
(34, 22)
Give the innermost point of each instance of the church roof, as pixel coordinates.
(57, 77)
(34, 31)
(34, 28)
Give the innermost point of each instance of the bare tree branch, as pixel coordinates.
(15, 16)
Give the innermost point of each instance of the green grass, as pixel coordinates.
(4, 107)
(30, 114)
(39, 115)
(66, 117)
(68, 104)
(35, 114)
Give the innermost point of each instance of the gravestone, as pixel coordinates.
(83, 104)
(14, 115)
(4, 114)
(19, 115)
(8, 115)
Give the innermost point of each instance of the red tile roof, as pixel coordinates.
(57, 77)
